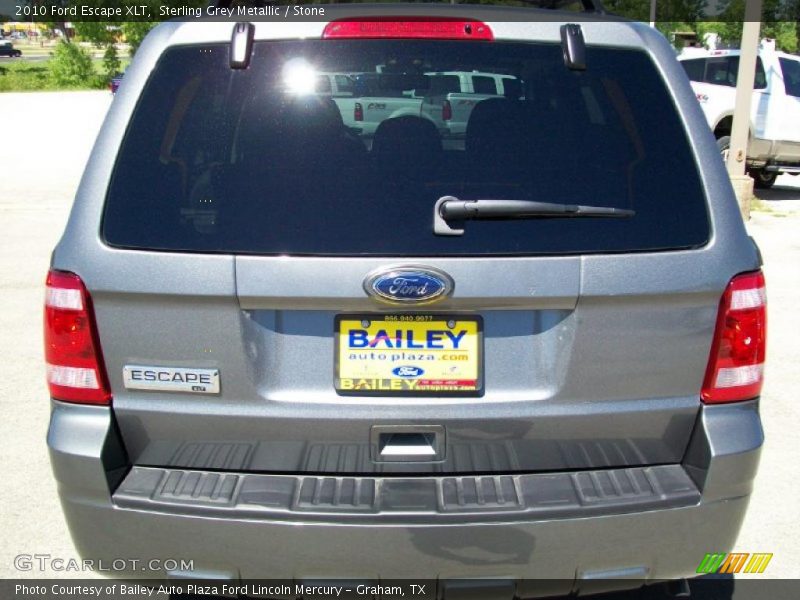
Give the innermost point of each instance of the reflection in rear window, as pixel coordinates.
(444, 84)
(267, 161)
(483, 85)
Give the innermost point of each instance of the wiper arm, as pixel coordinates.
(449, 208)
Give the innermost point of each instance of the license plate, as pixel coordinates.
(438, 355)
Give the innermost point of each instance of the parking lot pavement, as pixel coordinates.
(771, 521)
(48, 138)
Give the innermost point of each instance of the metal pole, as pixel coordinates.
(653, 13)
(740, 130)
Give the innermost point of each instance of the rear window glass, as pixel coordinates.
(695, 68)
(344, 85)
(722, 71)
(262, 161)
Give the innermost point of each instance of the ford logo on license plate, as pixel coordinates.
(407, 285)
(409, 371)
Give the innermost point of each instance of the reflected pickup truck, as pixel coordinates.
(377, 97)
(452, 96)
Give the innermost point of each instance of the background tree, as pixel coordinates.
(111, 62)
(102, 35)
(668, 11)
(135, 31)
(55, 25)
(71, 65)
(778, 21)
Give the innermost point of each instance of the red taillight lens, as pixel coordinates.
(75, 371)
(432, 29)
(736, 365)
(358, 112)
(447, 111)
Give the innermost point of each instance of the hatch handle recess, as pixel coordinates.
(407, 443)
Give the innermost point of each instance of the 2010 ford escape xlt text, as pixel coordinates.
(283, 344)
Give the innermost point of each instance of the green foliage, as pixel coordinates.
(779, 21)
(71, 66)
(98, 33)
(728, 32)
(677, 11)
(784, 33)
(134, 32)
(24, 76)
(111, 62)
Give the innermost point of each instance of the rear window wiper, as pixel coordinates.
(450, 209)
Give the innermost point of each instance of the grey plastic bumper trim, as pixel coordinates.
(435, 499)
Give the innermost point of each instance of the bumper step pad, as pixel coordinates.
(487, 497)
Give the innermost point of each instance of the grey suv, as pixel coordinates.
(279, 349)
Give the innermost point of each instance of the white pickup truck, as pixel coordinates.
(375, 97)
(452, 95)
(774, 146)
(445, 98)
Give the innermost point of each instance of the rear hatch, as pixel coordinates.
(299, 251)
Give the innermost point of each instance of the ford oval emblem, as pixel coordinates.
(408, 372)
(409, 285)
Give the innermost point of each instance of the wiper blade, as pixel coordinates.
(450, 208)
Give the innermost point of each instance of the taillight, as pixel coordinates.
(447, 111)
(358, 112)
(75, 371)
(736, 364)
(438, 29)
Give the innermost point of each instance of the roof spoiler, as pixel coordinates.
(572, 40)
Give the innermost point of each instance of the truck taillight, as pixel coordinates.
(75, 371)
(358, 112)
(736, 365)
(447, 111)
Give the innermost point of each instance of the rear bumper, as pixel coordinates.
(763, 152)
(566, 528)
